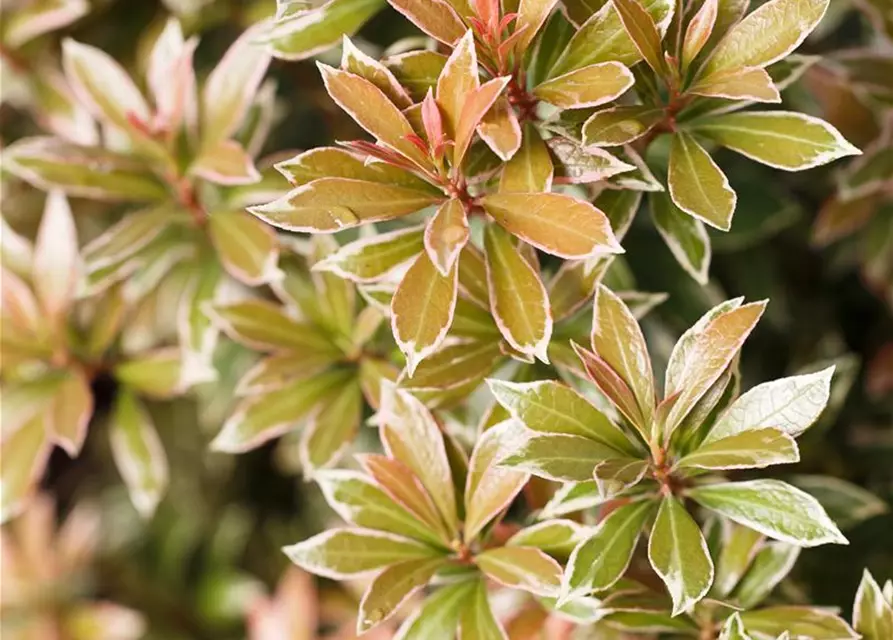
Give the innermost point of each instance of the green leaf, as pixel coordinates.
(559, 457)
(307, 33)
(589, 86)
(477, 620)
(500, 129)
(552, 407)
(530, 168)
(456, 365)
(25, 455)
(614, 477)
(773, 508)
(332, 428)
(740, 547)
(679, 555)
(642, 30)
(457, 81)
(524, 568)
(260, 324)
(156, 374)
(752, 84)
(846, 503)
(331, 162)
(138, 453)
(391, 588)
(127, 237)
(340, 554)
(619, 125)
(247, 248)
(518, 300)
(768, 34)
(578, 165)
(358, 63)
(226, 163)
(601, 560)
(872, 612)
(614, 388)
(685, 236)
(446, 234)
(361, 502)
(751, 449)
(371, 259)
(333, 204)
(440, 614)
(490, 488)
(416, 71)
(733, 629)
(422, 310)
(571, 498)
(697, 184)
(800, 622)
(70, 411)
(770, 566)
(781, 139)
(558, 538)
(27, 22)
(791, 405)
(88, 172)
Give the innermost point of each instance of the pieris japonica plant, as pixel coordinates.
(446, 319)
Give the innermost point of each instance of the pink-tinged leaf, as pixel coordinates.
(432, 121)
(25, 454)
(475, 107)
(21, 317)
(643, 31)
(458, 81)
(57, 267)
(435, 17)
(102, 85)
(391, 588)
(587, 87)
(697, 184)
(232, 85)
(358, 63)
(838, 219)
(331, 429)
(446, 234)
(226, 163)
(525, 568)
(138, 453)
(293, 612)
(556, 223)
(500, 129)
(751, 83)
(530, 169)
(247, 248)
(27, 21)
(410, 434)
(614, 387)
(404, 487)
(70, 412)
(171, 79)
(328, 205)
(422, 309)
(372, 110)
(489, 488)
(708, 356)
(698, 32)
(618, 340)
(518, 299)
(532, 14)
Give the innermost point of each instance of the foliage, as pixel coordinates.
(438, 276)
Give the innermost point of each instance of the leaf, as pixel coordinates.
(571, 498)
(518, 300)
(138, 453)
(435, 17)
(328, 205)
(577, 165)
(391, 588)
(312, 31)
(746, 84)
(681, 356)
(558, 538)
(422, 310)
(524, 568)
(791, 405)
(685, 236)
(339, 554)
(619, 125)
(615, 477)
(127, 237)
(57, 264)
(489, 488)
(446, 234)
(27, 22)
(872, 613)
(262, 325)
(781, 139)
(410, 434)
(102, 85)
(500, 129)
(373, 258)
(70, 412)
(358, 63)
(477, 620)
(474, 108)
(457, 81)
(847, 504)
(711, 352)
(438, 617)
(89, 172)
(361, 502)
(551, 407)
(733, 629)
(589, 86)
(25, 455)
(226, 163)
(800, 622)
(642, 30)
(156, 373)
(602, 559)
(556, 223)
(266, 416)
(416, 71)
(766, 35)
(618, 340)
(332, 428)
(698, 32)
(331, 162)
(614, 387)
(530, 168)
(770, 566)
(247, 248)
(773, 508)
(679, 555)
(372, 110)
(751, 449)
(559, 457)
(697, 184)
(740, 547)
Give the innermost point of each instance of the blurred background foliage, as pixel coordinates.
(209, 559)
